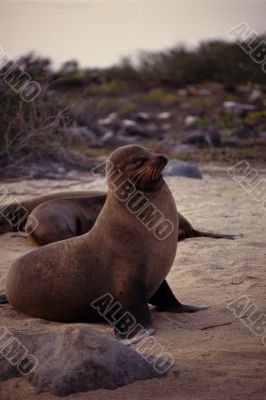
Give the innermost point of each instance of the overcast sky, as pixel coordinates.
(98, 33)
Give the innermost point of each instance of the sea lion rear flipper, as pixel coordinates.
(213, 235)
(165, 300)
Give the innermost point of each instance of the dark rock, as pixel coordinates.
(207, 138)
(214, 137)
(79, 359)
(244, 133)
(197, 138)
(3, 159)
(132, 128)
(231, 142)
(142, 117)
(113, 140)
(182, 168)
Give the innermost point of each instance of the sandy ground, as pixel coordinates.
(217, 356)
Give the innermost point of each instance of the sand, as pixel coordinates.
(217, 355)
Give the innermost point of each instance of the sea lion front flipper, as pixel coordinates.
(165, 300)
(136, 321)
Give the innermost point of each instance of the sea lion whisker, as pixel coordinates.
(138, 175)
(146, 180)
(141, 174)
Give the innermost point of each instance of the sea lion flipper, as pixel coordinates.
(186, 308)
(165, 300)
(213, 235)
(136, 322)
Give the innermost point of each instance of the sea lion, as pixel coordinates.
(14, 215)
(62, 215)
(68, 217)
(127, 253)
(64, 218)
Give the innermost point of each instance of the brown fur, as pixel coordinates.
(63, 218)
(119, 255)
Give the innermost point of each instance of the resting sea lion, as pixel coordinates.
(14, 215)
(127, 253)
(64, 218)
(68, 217)
(62, 215)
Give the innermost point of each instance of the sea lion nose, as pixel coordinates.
(162, 159)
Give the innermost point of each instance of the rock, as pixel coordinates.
(231, 142)
(75, 360)
(110, 119)
(132, 128)
(113, 140)
(190, 121)
(197, 138)
(164, 115)
(213, 137)
(108, 135)
(234, 108)
(255, 95)
(142, 117)
(182, 168)
(210, 137)
(244, 132)
(3, 159)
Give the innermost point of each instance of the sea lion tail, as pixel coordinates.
(213, 235)
(3, 299)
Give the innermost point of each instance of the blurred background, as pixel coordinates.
(80, 78)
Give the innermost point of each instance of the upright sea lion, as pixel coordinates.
(127, 253)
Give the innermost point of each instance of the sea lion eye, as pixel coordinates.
(139, 161)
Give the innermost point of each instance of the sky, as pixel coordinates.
(98, 33)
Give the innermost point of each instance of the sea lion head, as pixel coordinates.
(137, 165)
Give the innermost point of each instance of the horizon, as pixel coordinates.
(58, 29)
